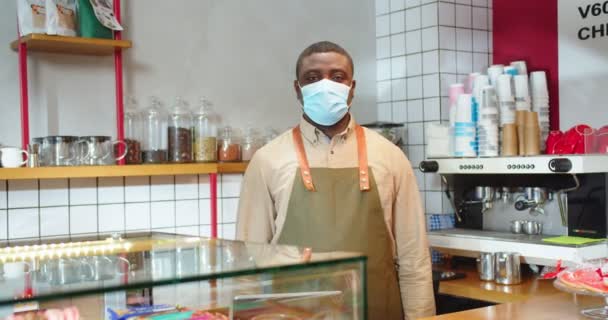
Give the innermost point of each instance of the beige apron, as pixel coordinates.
(340, 211)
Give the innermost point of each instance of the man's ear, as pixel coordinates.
(296, 87)
(351, 94)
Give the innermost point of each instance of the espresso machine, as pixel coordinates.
(520, 201)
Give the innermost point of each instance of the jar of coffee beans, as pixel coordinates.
(179, 133)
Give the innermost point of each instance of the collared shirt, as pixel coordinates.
(269, 180)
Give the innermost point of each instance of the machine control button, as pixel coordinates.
(429, 166)
(560, 165)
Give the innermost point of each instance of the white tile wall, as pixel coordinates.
(429, 15)
(54, 192)
(414, 64)
(163, 214)
(137, 189)
(111, 217)
(443, 41)
(83, 191)
(397, 45)
(3, 195)
(3, 224)
(162, 188)
(187, 213)
(398, 88)
(397, 22)
(22, 193)
(111, 190)
(54, 221)
(83, 219)
(23, 223)
(413, 19)
(137, 216)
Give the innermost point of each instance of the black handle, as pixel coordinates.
(560, 165)
(429, 166)
(522, 205)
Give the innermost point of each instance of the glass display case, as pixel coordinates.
(164, 276)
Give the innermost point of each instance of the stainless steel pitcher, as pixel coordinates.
(508, 269)
(485, 266)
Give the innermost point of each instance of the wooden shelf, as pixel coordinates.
(232, 167)
(106, 171)
(71, 45)
(120, 171)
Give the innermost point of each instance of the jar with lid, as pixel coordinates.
(251, 144)
(229, 149)
(133, 131)
(154, 146)
(179, 133)
(205, 133)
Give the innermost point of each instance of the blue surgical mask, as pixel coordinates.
(325, 101)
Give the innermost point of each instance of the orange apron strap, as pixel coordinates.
(362, 154)
(303, 161)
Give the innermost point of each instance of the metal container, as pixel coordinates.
(485, 266)
(507, 268)
(516, 226)
(532, 227)
(57, 150)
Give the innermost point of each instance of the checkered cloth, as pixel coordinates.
(439, 222)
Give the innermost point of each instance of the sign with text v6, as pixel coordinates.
(583, 62)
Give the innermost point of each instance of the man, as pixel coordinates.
(332, 185)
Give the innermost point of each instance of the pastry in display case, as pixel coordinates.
(166, 276)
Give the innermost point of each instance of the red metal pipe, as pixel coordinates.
(120, 135)
(213, 201)
(23, 91)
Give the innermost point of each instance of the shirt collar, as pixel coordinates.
(314, 135)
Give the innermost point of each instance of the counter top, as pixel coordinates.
(561, 306)
(473, 288)
(532, 299)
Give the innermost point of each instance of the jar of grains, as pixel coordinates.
(179, 133)
(133, 131)
(251, 144)
(205, 133)
(229, 149)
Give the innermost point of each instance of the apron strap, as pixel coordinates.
(303, 161)
(362, 154)
(305, 167)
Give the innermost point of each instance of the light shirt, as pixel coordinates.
(269, 180)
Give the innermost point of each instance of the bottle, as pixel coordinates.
(230, 149)
(179, 133)
(133, 131)
(154, 147)
(250, 145)
(205, 133)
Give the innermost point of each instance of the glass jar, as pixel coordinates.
(230, 149)
(154, 147)
(133, 131)
(251, 144)
(205, 133)
(179, 133)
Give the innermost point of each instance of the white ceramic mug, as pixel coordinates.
(12, 157)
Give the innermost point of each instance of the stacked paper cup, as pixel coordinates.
(540, 101)
(494, 71)
(464, 131)
(505, 99)
(521, 67)
(522, 93)
(487, 126)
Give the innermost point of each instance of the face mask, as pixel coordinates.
(325, 101)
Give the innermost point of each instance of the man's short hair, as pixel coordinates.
(322, 47)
